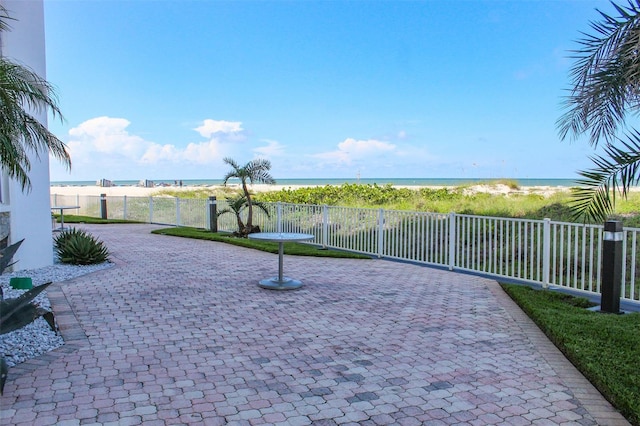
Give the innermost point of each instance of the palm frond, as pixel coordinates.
(4, 17)
(262, 206)
(22, 90)
(231, 162)
(27, 88)
(258, 171)
(605, 80)
(614, 172)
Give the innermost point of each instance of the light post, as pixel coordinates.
(103, 206)
(611, 267)
(213, 214)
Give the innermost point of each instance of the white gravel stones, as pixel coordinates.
(37, 338)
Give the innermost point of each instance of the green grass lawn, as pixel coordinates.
(604, 347)
(70, 218)
(296, 249)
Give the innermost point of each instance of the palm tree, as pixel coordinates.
(606, 88)
(236, 205)
(254, 171)
(21, 134)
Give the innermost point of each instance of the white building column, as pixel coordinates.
(30, 214)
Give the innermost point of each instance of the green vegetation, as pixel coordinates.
(345, 195)
(511, 183)
(198, 193)
(463, 200)
(255, 171)
(236, 206)
(289, 248)
(445, 200)
(79, 247)
(604, 347)
(90, 220)
(20, 311)
(605, 81)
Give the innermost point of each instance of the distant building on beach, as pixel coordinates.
(105, 183)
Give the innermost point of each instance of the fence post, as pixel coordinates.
(278, 216)
(213, 214)
(452, 240)
(380, 233)
(77, 199)
(103, 206)
(546, 252)
(325, 226)
(124, 208)
(611, 267)
(150, 209)
(177, 211)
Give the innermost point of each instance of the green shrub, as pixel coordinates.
(78, 247)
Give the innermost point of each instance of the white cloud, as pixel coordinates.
(351, 150)
(272, 149)
(157, 153)
(105, 135)
(210, 127)
(104, 147)
(204, 152)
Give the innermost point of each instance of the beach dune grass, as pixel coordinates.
(496, 198)
(604, 347)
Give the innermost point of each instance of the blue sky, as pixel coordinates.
(323, 89)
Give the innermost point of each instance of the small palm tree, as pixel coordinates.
(21, 134)
(254, 171)
(606, 88)
(236, 205)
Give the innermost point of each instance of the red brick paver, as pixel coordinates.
(178, 332)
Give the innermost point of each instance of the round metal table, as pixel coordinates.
(280, 282)
(62, 209)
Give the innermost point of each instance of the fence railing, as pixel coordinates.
(537, 251)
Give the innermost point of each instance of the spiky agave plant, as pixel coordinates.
(79, 247)
(6, 257)
(17, 312)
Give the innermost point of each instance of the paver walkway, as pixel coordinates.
(178, 332)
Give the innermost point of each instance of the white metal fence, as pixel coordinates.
(536, 251)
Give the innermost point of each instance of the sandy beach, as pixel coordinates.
(139, 191)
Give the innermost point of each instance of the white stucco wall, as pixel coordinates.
(30, 212)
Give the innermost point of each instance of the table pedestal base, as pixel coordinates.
(276, 284)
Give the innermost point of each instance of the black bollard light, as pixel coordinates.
(103, 206)
(213, 214)
(611, 267)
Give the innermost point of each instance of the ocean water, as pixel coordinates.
(314, 182)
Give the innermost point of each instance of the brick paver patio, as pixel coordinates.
(178, 332)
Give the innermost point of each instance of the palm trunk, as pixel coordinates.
(240, 224)
(249, 225)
